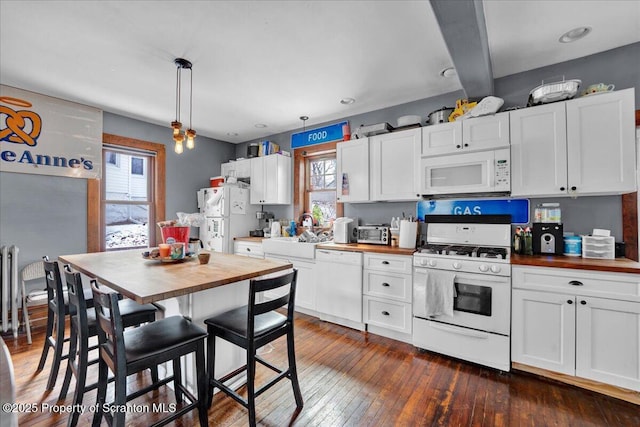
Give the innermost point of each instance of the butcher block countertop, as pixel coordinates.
(618, 265)
(361, 247)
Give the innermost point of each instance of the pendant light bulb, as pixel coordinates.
(178, 147)
(191, 135)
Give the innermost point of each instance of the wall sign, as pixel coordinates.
(517, 208)
(329, 133)
(48, 136)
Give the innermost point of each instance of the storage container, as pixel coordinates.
(572, 246)
(216, 181)
(598, 247)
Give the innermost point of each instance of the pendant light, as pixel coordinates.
(189, 134)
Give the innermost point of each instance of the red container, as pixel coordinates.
(216, 181)
(176, 234)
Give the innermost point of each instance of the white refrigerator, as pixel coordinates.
(228, 214)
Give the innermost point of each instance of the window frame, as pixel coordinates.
(300, 175)
(157, 170)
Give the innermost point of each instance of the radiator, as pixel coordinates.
(10, 297)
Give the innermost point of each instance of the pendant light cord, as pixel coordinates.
(178, 94)
(190, 96)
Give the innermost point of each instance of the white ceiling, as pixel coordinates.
(273, 61)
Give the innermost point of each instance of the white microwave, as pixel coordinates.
(466, 173)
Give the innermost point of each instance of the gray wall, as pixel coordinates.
(619, 66)
(47, 215)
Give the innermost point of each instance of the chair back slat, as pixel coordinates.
(76, 299)
(55, 291)
(109, 322)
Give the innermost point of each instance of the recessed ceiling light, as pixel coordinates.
(260, 125)
(232, 134)
(575, 34)
(448, 72)
(347, 101)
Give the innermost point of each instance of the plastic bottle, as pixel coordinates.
(292, 229)
(517, 241)
(528, 242)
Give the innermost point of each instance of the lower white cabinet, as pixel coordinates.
(250, 249)
(305, 285)
(583, 324)
(387, 293)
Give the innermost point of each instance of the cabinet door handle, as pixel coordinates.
(576, 283)
(466, 145)
(385, 262)
(574, 188)
(569, 301)
(385, 313)
(385, 284)
(583, 302)
(562, 188)
(248, 249)
(457, 146)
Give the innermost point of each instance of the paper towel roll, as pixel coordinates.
(408, 233)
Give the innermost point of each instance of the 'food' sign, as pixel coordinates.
(48, 136)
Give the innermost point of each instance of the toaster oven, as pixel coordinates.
(374, 234)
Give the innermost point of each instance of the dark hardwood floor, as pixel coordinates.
(351, 378)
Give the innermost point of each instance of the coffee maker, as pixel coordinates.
(547, 238)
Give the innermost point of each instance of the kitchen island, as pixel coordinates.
(184, 287)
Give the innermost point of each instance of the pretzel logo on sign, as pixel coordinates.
(20, 126)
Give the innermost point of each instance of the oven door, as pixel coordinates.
(482, 301)
(480, 172)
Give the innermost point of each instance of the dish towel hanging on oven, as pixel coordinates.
(440, 292)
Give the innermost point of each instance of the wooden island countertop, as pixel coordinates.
(148, 281)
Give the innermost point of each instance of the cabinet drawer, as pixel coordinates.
(578, 282)
(248, 249)
(389, 263)
(384, 285)
(387, 314)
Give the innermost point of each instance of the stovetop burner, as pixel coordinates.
(464, 251)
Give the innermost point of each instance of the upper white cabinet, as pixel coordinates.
(238, 169)
(352, 158)
(580, 147)
(394, 165)
(472, 134)
(271, 180)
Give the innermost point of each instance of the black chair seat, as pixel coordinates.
(235, 321)
(132, 314)
(156, 337)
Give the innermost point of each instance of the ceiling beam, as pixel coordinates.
(464, 30)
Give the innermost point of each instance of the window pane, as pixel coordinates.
(317, 182)
(124, 182)
(330, 182)
(330, 166)
(127, 226)
(322, 205)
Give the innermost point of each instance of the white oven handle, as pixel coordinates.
(460, 331)
(470, 278)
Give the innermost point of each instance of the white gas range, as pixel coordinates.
(471, 254)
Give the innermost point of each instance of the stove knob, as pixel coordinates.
(457, 265)
(484, 268)
(423, 262)
(495, 269)
(432, 263)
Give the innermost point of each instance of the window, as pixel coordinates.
(125, 205)
(315, 183)
(137, 166)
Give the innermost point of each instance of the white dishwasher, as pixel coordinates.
(339, 287)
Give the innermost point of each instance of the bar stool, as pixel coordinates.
(128, 352)
(57, 310)
(83, 326)
(251, 327)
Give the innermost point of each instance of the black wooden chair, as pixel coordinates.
(57, 311)
(251, 327)
(83, 327)
(128, 352)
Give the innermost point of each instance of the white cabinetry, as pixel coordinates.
(472, 134)
(339, 287)
(583, 324)
(271, 180)
(387, 293)
(352, 161)
(580, 147)
(238, 168)
(305, 285)
(395, 165)
(250, 249)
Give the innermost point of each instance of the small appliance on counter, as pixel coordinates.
(344, 230)
(374, 234)
(548, 238)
